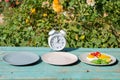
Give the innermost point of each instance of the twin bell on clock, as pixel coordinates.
(57, 40)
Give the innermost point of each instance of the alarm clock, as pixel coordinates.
(57, 40)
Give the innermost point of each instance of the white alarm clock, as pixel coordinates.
(57, 40)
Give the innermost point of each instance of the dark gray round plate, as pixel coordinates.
(21, 58)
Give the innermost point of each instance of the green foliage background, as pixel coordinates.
(86, 26)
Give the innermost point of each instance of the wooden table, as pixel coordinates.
(44, 71)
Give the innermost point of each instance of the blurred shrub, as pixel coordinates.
(9, 3)
(88, 23)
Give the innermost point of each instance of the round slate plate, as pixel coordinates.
(21, 58)
(83, 58)
(59, 58)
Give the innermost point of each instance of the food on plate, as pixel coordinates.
(99, 58)
(91, 57)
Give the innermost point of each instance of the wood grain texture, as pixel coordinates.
(44, 71)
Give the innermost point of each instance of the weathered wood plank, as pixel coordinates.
(53, 75)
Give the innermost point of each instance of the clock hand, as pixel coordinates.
(57, 39)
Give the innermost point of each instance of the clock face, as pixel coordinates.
(57, 42)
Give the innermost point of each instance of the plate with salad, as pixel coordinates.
(97, 58)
